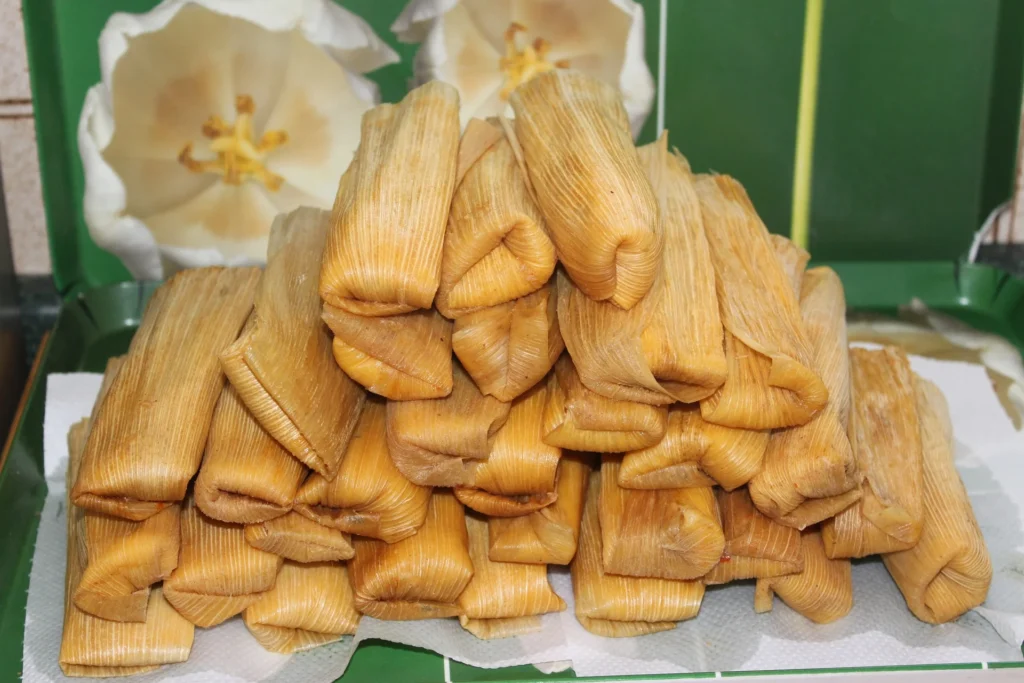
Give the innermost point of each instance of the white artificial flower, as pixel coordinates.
(212, 117)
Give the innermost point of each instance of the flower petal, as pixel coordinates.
(230, 218)
(575, 28)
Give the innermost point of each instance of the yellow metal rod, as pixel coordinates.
(802, 168)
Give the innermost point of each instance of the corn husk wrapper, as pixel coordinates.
(401, 357)
(433, 442)
(284, 347)
(576, 418)
(755, 546)
(588, 173)
(666, 534)
(886, 440)
(299, 539)
(549, 535)
(369, 497)
(771, 382)
(509, 348)
(420, 577)
(138, 460)
(793, 260)
(810, 472)
(624, 606)
(822, 592)
(383, 254)
(949, 571)
(310, 605)
(218, 573)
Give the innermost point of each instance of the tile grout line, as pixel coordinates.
(662, 49)
(806, 112)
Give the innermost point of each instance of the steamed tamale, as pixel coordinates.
(503, 598)
(666, 534)
(886, 439)
(509, 348)
(576, 418)
(519, 476)
(949, 571)
(794, 262)
(622, 606)
(383, 254)
(810, 473)
(297, 538)
(586, 172)
(433, 441)
(310, 605)
(822, 592)
(281, 365)
(549, 535)
(755, 546)
(369, 497)
(420, 577)
(246, 476)
(402, 357)
(218, 573)
(139, 460)
(770, 382)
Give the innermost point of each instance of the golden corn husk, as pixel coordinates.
(218, 573)
(284, 347)
(310, 605)
(886, 440)
(510, 347)
(299, 539)
(623, 606)
(770, 382)
(503, 598)
(401, 357)
(755, 546)
(432, 442)
(519, 476)
(822, 592)
(588, 174)
(139, 460)
(549, 535)
(496, 248)
(420, 577)
(246, 476)
(695, 453)
(794, 263)
(810, 473)
(383, 253)
(949, 570)
(576, 418)
(369, 497)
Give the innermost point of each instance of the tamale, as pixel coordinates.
(519, 476)
(755, 546)
(383, 253)
(503, 598)
(549, 535)
(695, 453)
(510, 347)
(246, 476)
(310, 605)
(139, 460)
(369, 497)
(886, 438)
(433, 441)
(822, 592)
(949, 570)
(793, 260)
(284, 348)
(420, 577)
(770, 382)
(402, 357)
(297, 538)
(585, 170)
(576, 418)
(810, 473)
(623, 606)
(665, 534)
(218, 573)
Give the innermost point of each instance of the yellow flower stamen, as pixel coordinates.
(239, 158)
(520, 66)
